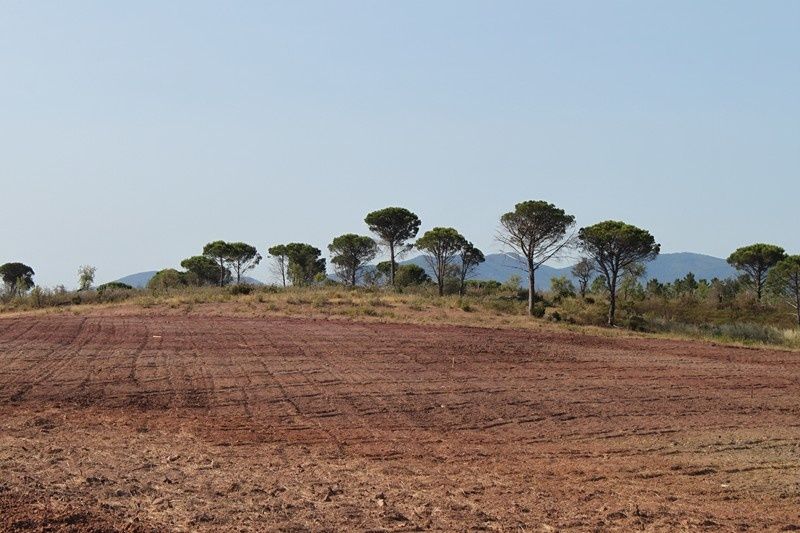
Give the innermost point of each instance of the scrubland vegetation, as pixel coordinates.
(761, 306)
(720, 310)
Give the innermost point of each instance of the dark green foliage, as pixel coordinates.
(114, 285)
(538, 310)
(242, 257)
(239, 256)
(166, 279)
(349, 254)
(442, 246)
(114, 291)
(755, 261)
(304, 264)
(687, 285)
(17, 278)
(384, 269)
(537, 231)
(219, 252)
(615, 247)
(393, 226)
(411, 274)
(202, 270)
(240, 289)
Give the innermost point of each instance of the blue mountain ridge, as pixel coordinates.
(666, 267)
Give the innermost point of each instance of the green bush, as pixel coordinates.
(410, 274)
(504, 306)
(113, 285)
(166, 279)
(582, 311)
(636, 322)
(561, 288)
(240, 289)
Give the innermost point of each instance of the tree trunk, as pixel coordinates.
(797, 301)
(440, 274)
(531, 289)
(612, 307)
(354, 278)
(391, 265)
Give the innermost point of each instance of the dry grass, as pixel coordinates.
(422, 307)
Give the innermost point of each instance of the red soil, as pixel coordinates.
(164, 422)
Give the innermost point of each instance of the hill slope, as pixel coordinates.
(140, 279)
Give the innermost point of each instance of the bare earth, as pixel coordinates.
(162, 421)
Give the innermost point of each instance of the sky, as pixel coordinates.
(132, 133)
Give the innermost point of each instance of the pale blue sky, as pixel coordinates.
(135, 132)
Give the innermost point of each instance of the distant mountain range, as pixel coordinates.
(138, 280)
(500, 267)
(666, 267)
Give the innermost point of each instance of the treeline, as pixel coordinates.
(613, 254)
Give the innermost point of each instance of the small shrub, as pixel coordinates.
(166, 279)
(512, 284)
(113, 285)
(270, 289)
(416, 305)
(636, 322)
(538, 310)
(320, 302)
(37, 296)
(503, 306)
(240, 289)
(750, 333)
(377, 302)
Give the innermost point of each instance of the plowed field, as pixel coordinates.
(159, 421)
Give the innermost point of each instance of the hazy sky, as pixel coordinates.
(131, 133)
